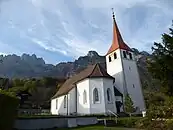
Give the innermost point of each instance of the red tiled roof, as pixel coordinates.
(117, 42)
(92, 71)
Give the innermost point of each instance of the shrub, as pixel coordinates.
(169, 124)
(8, 110)
(163, 108)
(143, 123)
(157, 125)
(148, 124)
(128, 121)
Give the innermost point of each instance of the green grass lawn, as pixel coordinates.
(97, 128)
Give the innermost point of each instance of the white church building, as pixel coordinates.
(99, 91)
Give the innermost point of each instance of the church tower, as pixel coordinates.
(121, 64)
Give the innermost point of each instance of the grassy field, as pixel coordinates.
(98, 128)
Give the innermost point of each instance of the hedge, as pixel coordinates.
(99, 116)
(58, 116)
(8, 110)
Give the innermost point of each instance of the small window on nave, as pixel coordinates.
(56, 103)
(84, 97)
(65, 101)
(124, 54)
(115, 55)
(110, 59)
(130, 56)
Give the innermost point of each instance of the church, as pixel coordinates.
(99, 91)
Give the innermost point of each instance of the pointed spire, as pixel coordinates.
(117, 41)
(113, 15)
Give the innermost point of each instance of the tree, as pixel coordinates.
(161, 65)
(161, 107)
(30, 86)
(18, 82)
(128, 104)
(4, 83)
(23, 95)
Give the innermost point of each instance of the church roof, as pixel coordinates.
(117, 92)
(117, 42)
(92, 71)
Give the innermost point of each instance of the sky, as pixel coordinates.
(63, 30)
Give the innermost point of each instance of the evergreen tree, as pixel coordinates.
(161, 67)
(129, 106)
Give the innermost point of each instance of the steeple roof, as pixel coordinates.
(117, 41)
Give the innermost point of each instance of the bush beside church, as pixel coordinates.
(8, 110)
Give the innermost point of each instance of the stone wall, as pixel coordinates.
(59, 122)
(33, 111)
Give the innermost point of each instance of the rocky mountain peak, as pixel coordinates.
(92, 54)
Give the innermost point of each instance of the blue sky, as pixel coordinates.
(63, 30)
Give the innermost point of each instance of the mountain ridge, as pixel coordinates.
(30, 66)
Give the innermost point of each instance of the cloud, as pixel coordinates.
(4, 54)
(110, 4)
(63, 30)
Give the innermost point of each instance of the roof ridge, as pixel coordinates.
(116, 32)
(100, 69)
(93, 70)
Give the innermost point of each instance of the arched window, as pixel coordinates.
(109, 59)
(95, 95)
(65, 101)
(109, 95)
(115, 55)
(84, 97)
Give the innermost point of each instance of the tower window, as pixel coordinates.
(129, 68)
(115, 55)
(130, 56)
(109, 59)
(133, 86)
(124, 54)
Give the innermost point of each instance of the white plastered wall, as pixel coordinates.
(133, 83)
(72, 101)
(114, 68)
(109, 106)
(53, 107)
(97, 108)
(90, 107)
(132, 80)
(83, 108)
(57, 106)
